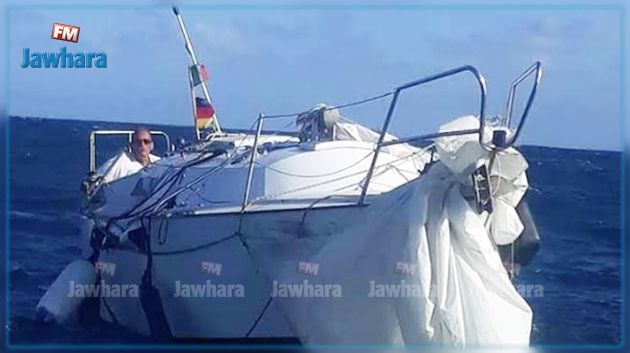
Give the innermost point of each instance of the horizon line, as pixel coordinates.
(577, 148)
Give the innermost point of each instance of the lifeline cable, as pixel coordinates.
(172, 179)
(346, 105)
(160, 202)
(178, 173)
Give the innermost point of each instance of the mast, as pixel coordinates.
(206, 93)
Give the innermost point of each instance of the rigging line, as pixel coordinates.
(199, 159)
(307, 209)
(111, 313)
(178, 175)
(164, 181)
(135, 211)
(317, 175)
(205, 174)
(363, 101)
(346, 105)
(273, 196)
(380, 169)
(243, 242)
(158, 204)
(161, 201)
(162, 236)
(289, 134)
(195, 248)
(198, 194)
(202, 157)
(400, 159)
(147, 238)
(260, 315)
(241, 238)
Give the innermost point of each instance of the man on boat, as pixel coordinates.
(126, 163)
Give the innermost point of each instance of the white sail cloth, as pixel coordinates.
(346, 130)
(419, 267)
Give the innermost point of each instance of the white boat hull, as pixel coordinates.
(226, 264)
(298, 258)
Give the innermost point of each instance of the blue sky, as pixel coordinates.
(276, 61)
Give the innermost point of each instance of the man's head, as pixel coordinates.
(142, 145)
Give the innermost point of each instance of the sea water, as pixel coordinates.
(573, 285)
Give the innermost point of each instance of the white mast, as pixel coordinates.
(193, 58)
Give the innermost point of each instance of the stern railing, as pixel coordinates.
(392, 106)
(535, 69)
(128, 133)
(499, 139)
(495, 144)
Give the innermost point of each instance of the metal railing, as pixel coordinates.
(129, 133)
(390, 112)
(535, 68)
(252, 159)
(487, 145)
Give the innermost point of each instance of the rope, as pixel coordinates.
(230, 158)
(162, 238)
(316, 175)
(362, 101)
(173, 179)
(380, 167)
(260, 315)
(196, 248)
(133, 212)
(146, 277)
(111, 312)
(306, 210)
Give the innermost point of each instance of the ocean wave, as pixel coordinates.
(23, 215)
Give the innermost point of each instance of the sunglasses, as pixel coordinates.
(142, 142)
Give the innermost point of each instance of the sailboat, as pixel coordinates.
(332, 234)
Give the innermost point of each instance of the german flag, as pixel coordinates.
(204, 114)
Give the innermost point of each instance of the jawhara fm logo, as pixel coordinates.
(63, 59)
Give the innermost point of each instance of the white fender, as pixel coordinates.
(58, 304)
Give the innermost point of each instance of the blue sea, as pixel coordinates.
(574, 198)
